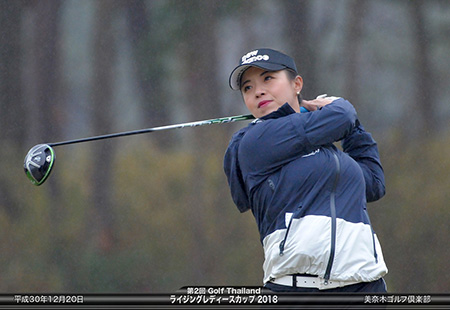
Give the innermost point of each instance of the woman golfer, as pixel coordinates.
(307, 196)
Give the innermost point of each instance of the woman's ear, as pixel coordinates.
(298, 83)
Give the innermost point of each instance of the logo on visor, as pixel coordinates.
(252, 57)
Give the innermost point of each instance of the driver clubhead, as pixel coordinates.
(38, 163)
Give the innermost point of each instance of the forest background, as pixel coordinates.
(153, 213)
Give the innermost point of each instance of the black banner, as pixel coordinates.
(226, 298)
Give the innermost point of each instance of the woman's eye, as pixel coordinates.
(246, 88)
(269, 77)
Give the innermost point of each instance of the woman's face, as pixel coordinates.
(265, 91)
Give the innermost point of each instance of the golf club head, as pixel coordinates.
(38, 163)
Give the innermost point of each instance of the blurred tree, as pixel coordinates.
(44, 91)
(101, 223)
(424, 104)
(148, 48)
(302, 39)
(198, 44)
(352, 44)
(42, 73)
(12, 105)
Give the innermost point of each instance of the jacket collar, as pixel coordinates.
(284, 110)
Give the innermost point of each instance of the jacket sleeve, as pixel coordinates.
(273, 143)
(234, 174)
(360, 145)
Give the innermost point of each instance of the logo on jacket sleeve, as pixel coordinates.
(312, 153)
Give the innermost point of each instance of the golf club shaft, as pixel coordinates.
(221, 120)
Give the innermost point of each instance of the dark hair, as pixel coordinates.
(291, 76)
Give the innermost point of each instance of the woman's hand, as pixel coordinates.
(319, 102)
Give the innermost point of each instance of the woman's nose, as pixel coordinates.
(260, 92)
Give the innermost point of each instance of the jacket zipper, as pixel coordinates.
(333, 219)
(283, 242)
(375, 255)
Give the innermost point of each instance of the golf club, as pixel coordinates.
(41, 158)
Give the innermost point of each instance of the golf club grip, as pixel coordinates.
(222, 120)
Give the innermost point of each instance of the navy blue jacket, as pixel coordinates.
(307, 196)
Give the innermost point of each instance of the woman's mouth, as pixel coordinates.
(263, 103)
